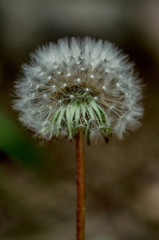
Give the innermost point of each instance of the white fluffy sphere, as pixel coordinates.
(79, 83)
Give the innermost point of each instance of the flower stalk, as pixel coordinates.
(80, 181)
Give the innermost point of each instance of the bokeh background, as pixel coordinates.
(37, 181)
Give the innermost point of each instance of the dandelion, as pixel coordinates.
(78, 87)
(75, 84)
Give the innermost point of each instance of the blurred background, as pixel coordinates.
(37, 181)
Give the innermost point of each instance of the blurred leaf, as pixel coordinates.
(15, 143)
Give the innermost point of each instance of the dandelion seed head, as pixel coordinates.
(78, 83)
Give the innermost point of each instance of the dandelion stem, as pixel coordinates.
(80, 180)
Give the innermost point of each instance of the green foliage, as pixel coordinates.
(15, 142)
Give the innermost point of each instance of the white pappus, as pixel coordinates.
(79, 83)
